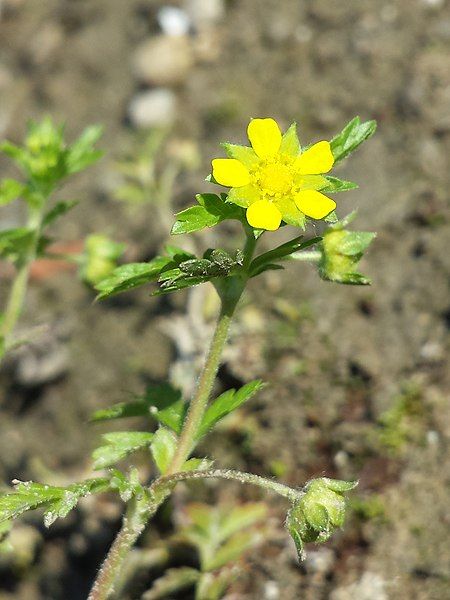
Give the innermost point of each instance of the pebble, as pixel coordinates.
(153, 108)
(319, 561)
(165, 60)
(173, 20)
(205, 13)
(371, 586)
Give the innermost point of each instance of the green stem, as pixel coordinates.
(230, 290)
(18, 290)
(138, 514)
(267, 484)
(205, 385)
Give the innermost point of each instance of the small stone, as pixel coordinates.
(371, 586)
(165, 60)
(173, 20)
(153, 108)
(319, 561)
(205, 12)
(271, 590)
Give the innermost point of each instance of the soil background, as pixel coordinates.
(359, 378)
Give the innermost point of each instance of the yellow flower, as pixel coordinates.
(274, 180)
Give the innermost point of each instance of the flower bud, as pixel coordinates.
(341, 252)
(317, 513)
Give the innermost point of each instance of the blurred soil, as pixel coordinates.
(359, 378)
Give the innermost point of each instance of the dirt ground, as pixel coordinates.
(359, 378)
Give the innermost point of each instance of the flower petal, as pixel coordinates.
(230, 172)
(264, 215)
(290, 144)
(264, 136)
(314, 204)
(317, 159)
(244, 196)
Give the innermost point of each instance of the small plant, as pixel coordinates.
(45, 161)
(220, 536)
(273, 183)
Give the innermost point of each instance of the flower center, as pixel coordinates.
(275, 179)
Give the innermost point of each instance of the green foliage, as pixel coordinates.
(173, 581)
(164, 445)
(404, 421)
(15, 243)
(120, 444)
(262, 262)
(222, 534)
(99, 258)
(56, 501)
(338, 185)
(162, 403)
(341, 250)
(318, 512)
(227, 403)
(10, 190)
(211, 210)
(352, 136)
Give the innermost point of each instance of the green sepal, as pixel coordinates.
(334, 185)
(290, 143)
(243, 154)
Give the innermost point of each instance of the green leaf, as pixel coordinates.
(241, 517)
(352, 136)
(232, 550)
(82, 153)
(130, 276)
(14, 242)
(227, 403)
(338, 185)
(213, 586)
(164, 445)
(173, 581)
(57, 501)
(10, 189)
(212, 210)
(60, 208)
(118, 445)
(259, 264)
(176, 284)
(162, 402)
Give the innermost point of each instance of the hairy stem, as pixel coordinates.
(267, 484)
(230, 290)
(138, 514)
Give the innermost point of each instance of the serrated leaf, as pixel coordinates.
(10, 189)
(14, 242)
(127, 277)
(163, 448)
(162, 402)
(280, 253)
(82, 153)
(60, 208)
(338, 185)
(231, 550)
(226, 403)
(211, 211)
(58, 501)
(173, 581)
(119, 444)
(352, 136)
(241, 517)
